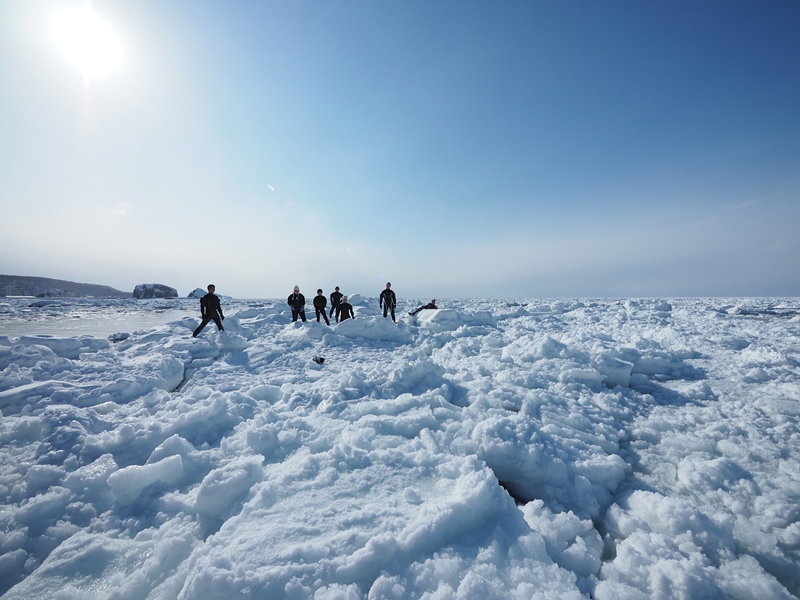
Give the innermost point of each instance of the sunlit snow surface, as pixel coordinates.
(490, 449)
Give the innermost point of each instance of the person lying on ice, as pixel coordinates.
(431, 304)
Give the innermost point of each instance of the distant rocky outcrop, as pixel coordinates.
(24, 285)
(154, 290)
(197, 293)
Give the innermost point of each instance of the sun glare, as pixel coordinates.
(87, 41)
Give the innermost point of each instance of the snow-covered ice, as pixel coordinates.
(607, 449)
(73, 317)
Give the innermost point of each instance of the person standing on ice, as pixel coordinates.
(319, 306)
(298, 303)
(210, 309)
(336, 298)
(344, 311)
(388, 301)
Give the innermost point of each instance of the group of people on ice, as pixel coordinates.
(210, 309)
(339, 304)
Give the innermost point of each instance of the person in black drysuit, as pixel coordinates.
(388, 301)
(298, 303)
(344, 310)
(336, 298)
(210, 310)
(319, 306)
(431, 304)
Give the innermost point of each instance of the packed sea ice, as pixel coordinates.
(606, 449)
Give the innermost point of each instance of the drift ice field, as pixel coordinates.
(606, 449)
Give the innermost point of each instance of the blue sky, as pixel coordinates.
(508, 149)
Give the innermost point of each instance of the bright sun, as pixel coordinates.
(87, 41)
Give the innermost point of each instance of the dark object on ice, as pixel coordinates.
(154, 290)
(119, 336)
(210, 309)
(431, 304)
(319, 360)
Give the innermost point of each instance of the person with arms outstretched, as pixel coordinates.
(336, 298)
(298, 303)
(210, 310)
(319, 306)
(388, 301)
(344, 311)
